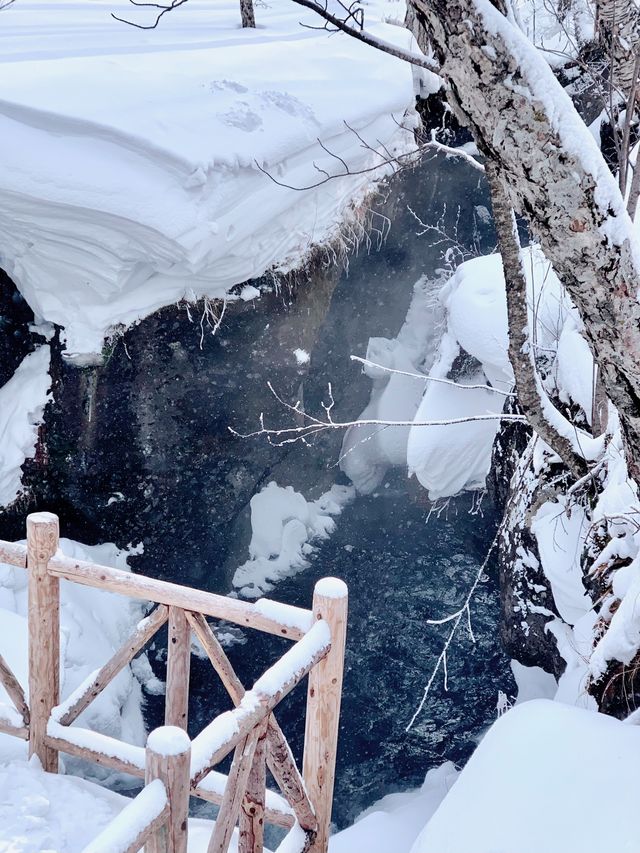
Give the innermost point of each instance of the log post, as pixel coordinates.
(168, 758)
(43, 535)
(251, 820)
(330, 601)
(176, 711)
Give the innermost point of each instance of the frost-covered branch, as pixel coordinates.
(311, 425)
(425, 378)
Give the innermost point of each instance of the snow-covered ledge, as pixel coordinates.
(131, 169)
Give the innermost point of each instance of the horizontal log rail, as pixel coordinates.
(163, 592)
(172, 765)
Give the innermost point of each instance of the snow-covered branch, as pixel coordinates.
(312, 425)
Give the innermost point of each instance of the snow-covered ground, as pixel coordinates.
(131, 169)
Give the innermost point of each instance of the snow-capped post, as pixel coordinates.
(43, 534)
(168, 758)
(178, 665)
(330, 603)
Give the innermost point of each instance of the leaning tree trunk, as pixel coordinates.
(618, 32)
(525, 123)
(247, 14)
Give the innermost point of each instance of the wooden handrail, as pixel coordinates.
(222, 735)
(82, 697)
(163, 592)
(250, 728)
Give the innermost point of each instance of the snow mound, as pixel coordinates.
(393, 823)
(537, 783)
(133, 162)
(284, 524)
(63, 814)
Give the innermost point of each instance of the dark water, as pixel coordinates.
(402, 565)
(151, 427)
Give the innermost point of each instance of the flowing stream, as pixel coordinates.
(152, 459)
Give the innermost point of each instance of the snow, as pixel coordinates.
(277, 678)
(541, 86)
(132, 820)
(22, 402)
(331, 588)
(559, 533)
(294, 661)
(393, 823)
(368, 451)
(284, 524)
(292, 617)
(169, 740)
(131, 171)
(537, 782)
(46, 813)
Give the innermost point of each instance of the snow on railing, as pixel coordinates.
(173, 767)
(138, 820)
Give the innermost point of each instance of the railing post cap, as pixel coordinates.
(42, 518)
(331, 588)
(169, 740)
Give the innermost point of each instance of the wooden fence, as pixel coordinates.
(173, 766)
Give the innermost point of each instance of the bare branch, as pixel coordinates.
(362, 35)
(424, 378)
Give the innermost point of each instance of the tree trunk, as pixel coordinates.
(525, 123)
(520, 353)
(247, 14)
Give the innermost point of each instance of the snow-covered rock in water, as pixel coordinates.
(143, 167)
(284, 524)
(22, 402)
(94, 624)
(447, 459)
(542, 779)
(369, 450)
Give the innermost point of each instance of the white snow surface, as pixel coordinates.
(169, 740)
(393, 823)
(284, 524)
(46, 813)
(544, 778)
(130, 175)
(22, 402)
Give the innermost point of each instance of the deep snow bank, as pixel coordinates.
(130, 175)
(546, 777)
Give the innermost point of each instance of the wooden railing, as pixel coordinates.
(173, 766)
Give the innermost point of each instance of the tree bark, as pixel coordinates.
(247, 14)
(525, 123)
(520, 353)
